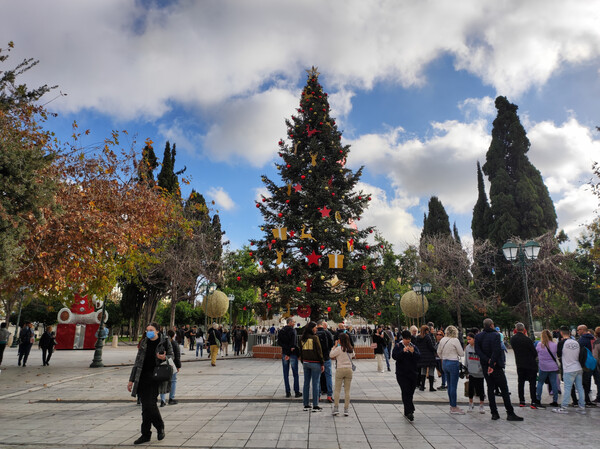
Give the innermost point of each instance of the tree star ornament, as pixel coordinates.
(313, 258)
(325, 211)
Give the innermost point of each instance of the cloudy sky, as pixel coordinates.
(411, 83)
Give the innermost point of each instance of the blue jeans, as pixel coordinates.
(451, 368)
(542, 376)
(312, 373)
(386, 354)
(575, 377)
(286, 372)
(173, 387)
(328, 380)
(199, 347)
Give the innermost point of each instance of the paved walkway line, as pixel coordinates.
(48, 385)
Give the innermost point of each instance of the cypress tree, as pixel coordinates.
(167, 178)
(456, 235)
(520, 202)
(436, 222)
(480, 224)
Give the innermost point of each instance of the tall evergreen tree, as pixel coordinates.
(520, 202)
(480, 225)
(168, 177)
(147, 165)
(436, 222)
(456, 235)
(310, 233)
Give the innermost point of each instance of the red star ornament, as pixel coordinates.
(313, 258)
(297, 188)
(288, 271)
(325, 212)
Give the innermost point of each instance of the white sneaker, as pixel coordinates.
(481, 409)
(471, 407)
(581, 410)
(335, 411)
(561, 410)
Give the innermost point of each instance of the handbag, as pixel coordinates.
(466, 389)
(162, 373)
(352, 363)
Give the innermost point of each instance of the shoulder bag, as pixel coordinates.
(162, 373)
(351, 362)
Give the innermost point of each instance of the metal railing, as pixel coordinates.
(271, 339)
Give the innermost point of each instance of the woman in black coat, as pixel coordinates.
(153, 350)
(427, 360)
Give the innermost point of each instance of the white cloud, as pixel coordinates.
(390, 217)
(221, 198)
(249, 128)
(129, 61)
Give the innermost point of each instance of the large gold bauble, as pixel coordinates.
(412, 304)
(216, 304)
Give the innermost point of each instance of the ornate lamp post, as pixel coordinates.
(231, 297)
(421, 289)
(102, 334)
(522, 255)
(397, 301)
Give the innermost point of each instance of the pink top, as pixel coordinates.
(341, 357)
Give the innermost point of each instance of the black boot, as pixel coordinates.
(431, 384)
(422, 382)
(143, 439)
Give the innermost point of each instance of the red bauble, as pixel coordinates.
(370, 230)
(291, 135)
(261, 262)
(310, 109)
(281, 142)
(279, 215)
(280, 154)
(264, 199)
(288, 166)
(257, 205)
(360, 197)
(351, 313)
(250, 253)
(369, 198)
(320, 123)
(239, 278)
(269, 305)
(322, 246)
(329, 309)
(367, 246)
(287, 201)
(298, 289)
(265, 295)
(364, 267)
(273, 241)
(332, 193)
(244, 308)
(302, 177)
(378, 313)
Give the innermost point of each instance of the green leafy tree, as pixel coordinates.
(520, 202)
(27, 185)
(308, 219)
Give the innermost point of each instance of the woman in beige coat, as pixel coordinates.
(342, 353)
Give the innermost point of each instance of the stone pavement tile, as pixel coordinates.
(261, 443)
(323, 444)
(329, 436)
(230, 442)
(292, 444)
(199, 441)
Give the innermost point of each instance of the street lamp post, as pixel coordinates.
(397, 300)
(231, 297)
(15, 341)
(421, 289)
(521, 255)
(102, 334)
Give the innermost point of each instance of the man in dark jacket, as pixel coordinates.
(527, 367)
(287, 339)
(586, 340)
(406, 356)
(489, 350)
(326, 339)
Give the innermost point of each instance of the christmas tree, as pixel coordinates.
(313, 258)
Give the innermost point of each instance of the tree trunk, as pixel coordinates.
(173, 306)
(458, 316)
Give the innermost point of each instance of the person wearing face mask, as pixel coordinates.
(406, 355)
(154, 349)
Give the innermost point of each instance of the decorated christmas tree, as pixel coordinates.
(314, 259)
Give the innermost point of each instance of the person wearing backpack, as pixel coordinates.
(585, 340)
(596, 354)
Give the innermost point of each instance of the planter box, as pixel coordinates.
(274, 352)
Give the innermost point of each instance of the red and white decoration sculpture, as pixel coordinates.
(78, 325)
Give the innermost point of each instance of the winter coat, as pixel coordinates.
(47, 340)
(311, 350)
(406, 362)
(525, 353)
(427, 351)
(214, 337)
(287, 341)
(379, 341)
(326, 340)
(472, 362)
(163, 345)
(488, 348)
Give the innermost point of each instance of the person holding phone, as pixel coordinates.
(153, 350)
(406, 355)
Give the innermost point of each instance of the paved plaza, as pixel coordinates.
(241, 403)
